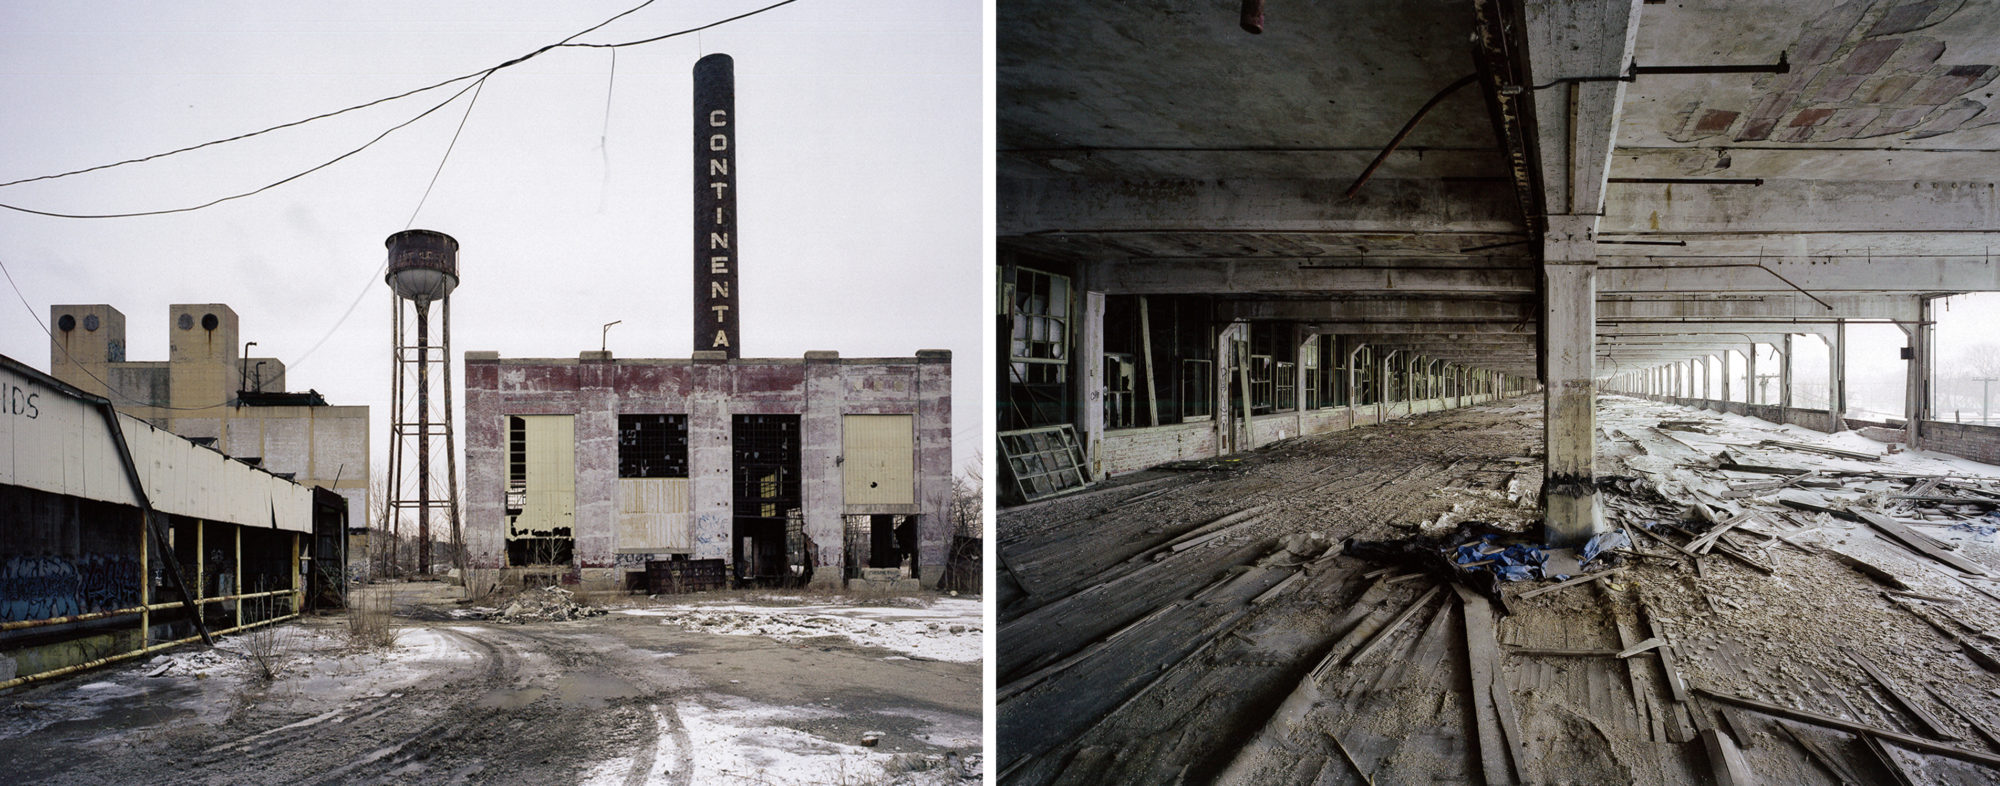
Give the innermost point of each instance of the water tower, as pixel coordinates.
(423, 270)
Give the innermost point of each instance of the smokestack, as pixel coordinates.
(715, 258)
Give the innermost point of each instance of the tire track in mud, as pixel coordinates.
(535, 705)
(547, 704)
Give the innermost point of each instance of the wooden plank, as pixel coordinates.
(1641, 647)
(1906, 740)
(1558, 652)
(1828, 763)
(1724, 760)
(1924, 545)
(1278, 588)
(1976, 653)
(1981, 726)
(1349, 756)
(1922, 715)
(1702, 543)
(1482, 661)
(1847, 454)
(1675, 685)
(1625, 637)
(1588, 577)
(1383, 634)
(1888, 762)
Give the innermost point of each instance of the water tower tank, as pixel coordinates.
(423, 265)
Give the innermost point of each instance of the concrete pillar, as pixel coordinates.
(1226, 390)
(1785, 379)
(820, 446)
(1299, 339)
(1569, 491)
(1352, 382)
(1750, 378)
(1090, 394)
(1836, 377)
(934, 463)
(1707, 378)
(1727, 374)
(1917, 379)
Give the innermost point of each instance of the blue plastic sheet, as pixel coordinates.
(1605, 541)
(1518, 562)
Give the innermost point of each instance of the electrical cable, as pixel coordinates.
(481, 75)
(335, 113)
(475, 87)
(260, 189)
(65, 350)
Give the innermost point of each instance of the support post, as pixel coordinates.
(1750, 379)
(1916, 391)
(1146, 361)
(1091, 407)
(1569, 337)
(1726, 375)
(1785, 380)
(1836, 373)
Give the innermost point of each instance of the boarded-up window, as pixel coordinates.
(543, 447)
(879, 459)
(655, 516)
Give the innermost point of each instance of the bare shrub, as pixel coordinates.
(269, 645)
(370, 621)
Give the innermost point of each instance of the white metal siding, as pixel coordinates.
(66, 448)
(878, 465)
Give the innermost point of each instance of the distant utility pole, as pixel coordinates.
(1764, 381)
(1986, 399)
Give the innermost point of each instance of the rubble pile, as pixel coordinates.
(546, 604)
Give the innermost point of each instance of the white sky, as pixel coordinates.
(860, 181)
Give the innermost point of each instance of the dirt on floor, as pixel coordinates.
(637, 695)
(1163, 631)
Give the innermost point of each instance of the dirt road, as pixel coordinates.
(625, 698)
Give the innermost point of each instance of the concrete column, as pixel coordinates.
(1707, 378)
(1569, 491)
(1727, 374)
(596, 480)
(1785, 379)
(934, 463)
(1226, 389)
(1750, 378)
(1836, 377)
(1916, 391)
(1299, 337)
(820, 446)
(1350, 380)
(1090, 354)
(711, 462)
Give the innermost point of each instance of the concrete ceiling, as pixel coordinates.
(1169, 151)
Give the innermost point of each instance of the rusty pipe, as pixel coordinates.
(1407, 128)
(1253, 17)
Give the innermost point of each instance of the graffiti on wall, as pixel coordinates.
(33, 588)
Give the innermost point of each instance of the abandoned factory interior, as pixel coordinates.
(1497, 391)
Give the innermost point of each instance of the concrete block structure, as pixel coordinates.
(207, 390)
(583, 470)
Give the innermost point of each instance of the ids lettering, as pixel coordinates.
(20, 402)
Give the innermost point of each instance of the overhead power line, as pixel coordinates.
(480, 75)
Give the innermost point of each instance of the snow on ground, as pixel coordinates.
(734, 740)
(949, 629)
